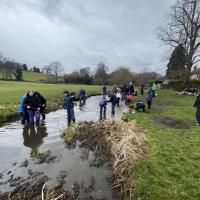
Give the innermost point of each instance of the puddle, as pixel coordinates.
(72, 167)
(173, 123)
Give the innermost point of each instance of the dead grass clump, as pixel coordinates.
(128, 144)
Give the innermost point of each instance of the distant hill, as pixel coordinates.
(34, 76)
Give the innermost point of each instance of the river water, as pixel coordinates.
(73, 166)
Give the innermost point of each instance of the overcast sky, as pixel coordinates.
(82, 33)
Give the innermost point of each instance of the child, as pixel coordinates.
(140, 106)
(33, 106)
(102, 105)
(129, 99)
(118, 96)
(197, 105)
(149, 98)
(69, 106)
(43, 104)
(154, 89)
(104, 91)
(82, 96)
(113, 100)
(23, 111)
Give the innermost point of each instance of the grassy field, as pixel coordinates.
(34, 76)
(11, 93)
(171, 168)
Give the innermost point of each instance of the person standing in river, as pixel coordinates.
(113, 101)
(43, 103)
(33, 106)
(69, 106)
(197, 105)
(103, 107)
(23, 111)
(82, 97)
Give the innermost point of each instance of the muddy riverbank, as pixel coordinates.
(73, 171)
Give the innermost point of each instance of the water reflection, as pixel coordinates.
(33, 136)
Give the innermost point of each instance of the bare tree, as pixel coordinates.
(56, 69)
(183, 28)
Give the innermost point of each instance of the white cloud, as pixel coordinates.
(83, 33)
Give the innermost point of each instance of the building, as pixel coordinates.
(195, 74)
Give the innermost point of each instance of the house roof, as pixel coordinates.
(195, 71)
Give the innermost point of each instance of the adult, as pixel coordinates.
(142, 89)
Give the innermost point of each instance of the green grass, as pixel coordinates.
(171, 169)
(11, 93)
(34, 76)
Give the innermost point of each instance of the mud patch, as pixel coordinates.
(43, 157)
(36, 185)
(172, 123)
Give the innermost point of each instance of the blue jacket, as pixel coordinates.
(68, 102)
(22, 104)
(82, 94)
(150, 96)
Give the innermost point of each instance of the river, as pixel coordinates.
(71, 166)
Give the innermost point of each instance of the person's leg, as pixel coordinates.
(31, 116)
(198, 115)
(143, 108)
(84, 101)
(37, 116)
(118, 100)
(113, 109)
(104, 112)
(101, 110)
(26, 116)
(42, 112)
(149, 104)
(68, 117)
(22, 117)
(72, 115)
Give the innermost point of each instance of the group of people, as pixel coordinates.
(32, 105)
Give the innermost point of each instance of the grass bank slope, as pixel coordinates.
(171, 169)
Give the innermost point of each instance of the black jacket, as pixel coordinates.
(197, 102)
(33, 102)
(43, 101)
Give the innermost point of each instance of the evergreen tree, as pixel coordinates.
(176, 68)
